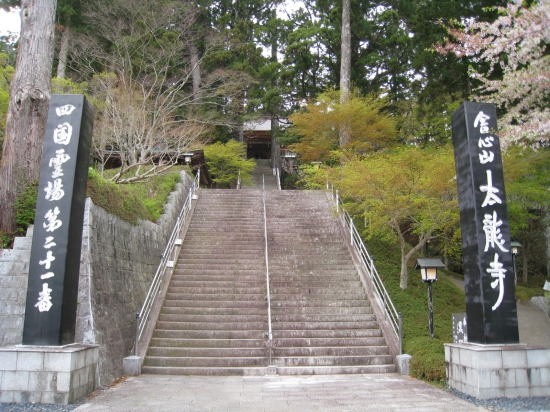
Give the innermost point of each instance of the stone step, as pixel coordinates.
(315, 303)
(300, 318)
(213, 326)
(335, 370)
(327, 284)
(330, 351)
(219, 276)
(225, 304)
(230, 319)
(329, 310)
(329, 336)
(176, 307)
(256, 283)
(241, 261)
(333, 360)
(235, 291)
(329, 299)
(206, 338)
(207, 362)
(214, 352)
(324, 325)
(203, 371)
(215, 297)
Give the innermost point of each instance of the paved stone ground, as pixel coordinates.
(533, 322)
(374, 392)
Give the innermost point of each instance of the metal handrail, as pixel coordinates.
(270, 332)
(394, 317)
(278, 174)
(143, 315)
(239, 181)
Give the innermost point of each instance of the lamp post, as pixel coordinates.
(515, 251)
(428, 269)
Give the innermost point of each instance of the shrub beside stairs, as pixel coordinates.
(214, 319)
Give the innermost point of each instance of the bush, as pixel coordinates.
(115, 199)
(5, 240)
(428, 359)
(25, 206)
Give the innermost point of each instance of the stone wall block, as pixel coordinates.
(8, 360)
(30, 361)
(54, 361)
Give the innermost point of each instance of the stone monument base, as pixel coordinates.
(47, 374)
(495, 371)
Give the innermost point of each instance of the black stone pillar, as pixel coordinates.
(50, 314)
(488, 268)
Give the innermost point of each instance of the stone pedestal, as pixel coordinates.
(132, 365)
(403, 363)
(47, 374)
(494, 371)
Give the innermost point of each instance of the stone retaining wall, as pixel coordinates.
(118, 262)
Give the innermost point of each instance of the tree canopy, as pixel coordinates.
(320, 123)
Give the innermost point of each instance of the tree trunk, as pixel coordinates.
(28, 106)
(345, 66)
(195, 69)
(64, 50)
(404, 276)
(525, 250)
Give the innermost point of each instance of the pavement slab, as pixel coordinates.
(387, 392)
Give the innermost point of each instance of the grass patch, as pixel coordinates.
(428, 362)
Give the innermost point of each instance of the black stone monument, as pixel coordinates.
(488, 268)
(50, 314)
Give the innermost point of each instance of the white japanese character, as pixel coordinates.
(65, 110)
(48, 261)
(55, 191)
(57, 161)
(481, 119)
(63, 133)
(486, 157)
(49, 242)
(486, 142)
(44, 299)
(52, 222)
(497, 272)
(491, 197)
(493, 237)
(47, 275)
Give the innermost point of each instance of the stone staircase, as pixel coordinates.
(322, 319)
(214, 318)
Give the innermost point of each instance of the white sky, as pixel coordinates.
(9, 22)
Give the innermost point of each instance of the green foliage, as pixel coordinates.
(6, 74)
(225, 160)
(25, 205)
(67, 86)
(407, 195)
(116, 199)
(150, 196)
(527, 178)
(428, 362)
(5, 240)
(154, 193)
(321, 121)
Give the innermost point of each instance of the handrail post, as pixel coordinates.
(337, 203)
(137, 335)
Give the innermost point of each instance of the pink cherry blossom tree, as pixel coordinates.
(516, 42)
